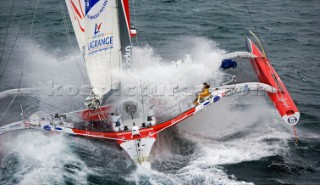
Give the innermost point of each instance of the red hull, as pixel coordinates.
(266, 74)
(144, 132)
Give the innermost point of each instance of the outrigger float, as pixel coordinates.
(103, 32)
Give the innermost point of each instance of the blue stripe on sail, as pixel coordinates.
(90, 4)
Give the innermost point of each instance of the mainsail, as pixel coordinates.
(103, 33)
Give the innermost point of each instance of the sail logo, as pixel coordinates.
(180, 118)
(98, 113)
(101, 44)
(246, 88)
(14, 126)
(94, 8)
(97, 28)
(292, 120)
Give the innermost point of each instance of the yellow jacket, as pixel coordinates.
(205, 92)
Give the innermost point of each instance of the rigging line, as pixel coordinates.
(34, 16)
(69, 40)
(255, 27)
(239, 20)
(16, 38)
(8, 107)
(5, 112)
(137, 43)
(110, 50)
(53, 107)
(102, 137)
(135, 21)
(20, 82)
(6, 35)
(49, 105)
(102, 118)
(34, 104)
(250, 16)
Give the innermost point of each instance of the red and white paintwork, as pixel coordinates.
(266, 74)
(137, 146)
(94, 115)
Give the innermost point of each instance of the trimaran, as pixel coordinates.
(103, 32)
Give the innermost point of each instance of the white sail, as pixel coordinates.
(97, 26)
(102, 49)
(76, 13)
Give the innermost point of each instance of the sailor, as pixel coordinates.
(116, 122)
(139, 145)
(205, 93)
(151, 118)
(57, 120)
(135, 130)
(92, 103)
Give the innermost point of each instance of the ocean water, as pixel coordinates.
(240, 141)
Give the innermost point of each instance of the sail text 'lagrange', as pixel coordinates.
(95, 44)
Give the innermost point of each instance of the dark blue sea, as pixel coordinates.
(240, 141)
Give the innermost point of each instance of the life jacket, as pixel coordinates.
(205, 92)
